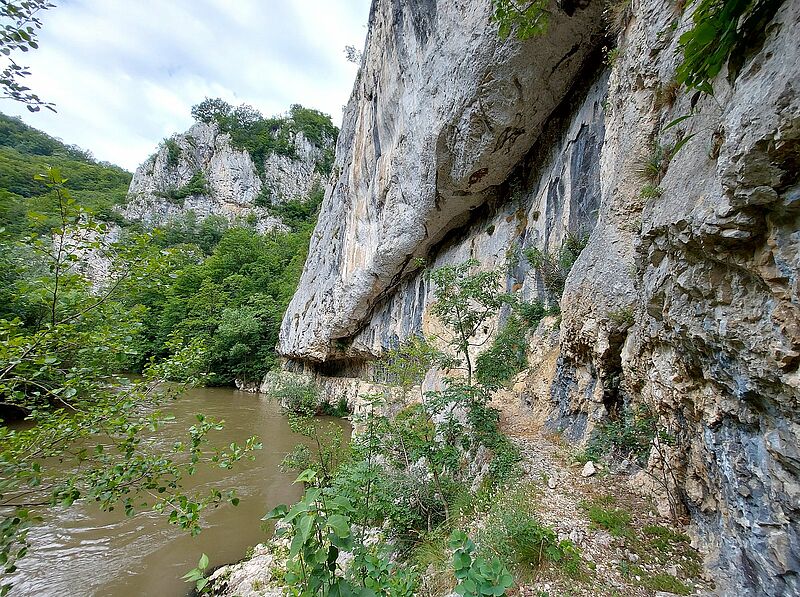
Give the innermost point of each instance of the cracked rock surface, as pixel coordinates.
(686, 299)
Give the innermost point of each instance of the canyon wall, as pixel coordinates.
(233, 183)
(457, 144)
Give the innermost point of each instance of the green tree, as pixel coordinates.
(211, 110)
(25, 152)
(19, 23)
(58, 370)
(463, 302)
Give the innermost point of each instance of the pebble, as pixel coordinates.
(551, 482)
(588, 469)
(576, 536)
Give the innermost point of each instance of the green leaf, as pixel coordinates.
(307, 476)
(679, 145)
(677, 121)
(704, 33)
(340, 525)
(296, 546)
(193, 575)
(305, 527)
(461, 560)
(203, 563)
(277, 512)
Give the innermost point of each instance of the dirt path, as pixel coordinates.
(627, 548)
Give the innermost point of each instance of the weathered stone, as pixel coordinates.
(441, 112)
(233, 180)
(588, 469)
(456, 145)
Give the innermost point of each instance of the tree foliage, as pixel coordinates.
(464, 301)
(524, 18)
(250, 131)
(25, 152)
(229, 292)
(62, 342)
(409, 475)
(19, 24)
(720, 28)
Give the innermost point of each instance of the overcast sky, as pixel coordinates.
(124, 73)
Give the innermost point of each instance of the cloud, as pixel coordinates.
(124, 75)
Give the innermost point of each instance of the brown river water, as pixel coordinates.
(84, 552)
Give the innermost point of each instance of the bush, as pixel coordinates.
(507, 355)
(652, 167)
(630, 434)
(554, 267)
(651, 191)
(477, 576)
(340, 409)
(196, 186)
(173, 152)
(513, 534)
(297, 396)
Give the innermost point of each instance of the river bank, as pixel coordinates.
(626, 547)
(106, 553)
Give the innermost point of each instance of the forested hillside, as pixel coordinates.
(88, 291)
(26, 152)
(206, 281)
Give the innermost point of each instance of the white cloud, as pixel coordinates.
(125, 74)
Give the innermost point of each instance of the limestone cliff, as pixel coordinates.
(458, 144)
(203, 171)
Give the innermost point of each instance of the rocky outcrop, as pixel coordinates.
(229, 181)
(441, 112)
(457, 144)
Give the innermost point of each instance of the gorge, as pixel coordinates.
(548, 267)
(458, 144)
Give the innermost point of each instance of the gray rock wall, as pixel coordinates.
(232, 177)
(441, 112)
(456, 144)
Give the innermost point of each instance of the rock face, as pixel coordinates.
(232, 181)
(441, 113)
(457, 144)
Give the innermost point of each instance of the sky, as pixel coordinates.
(124, 74)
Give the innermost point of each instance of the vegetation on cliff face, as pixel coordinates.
(721, 31)
(417, 477)
(259, 136)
